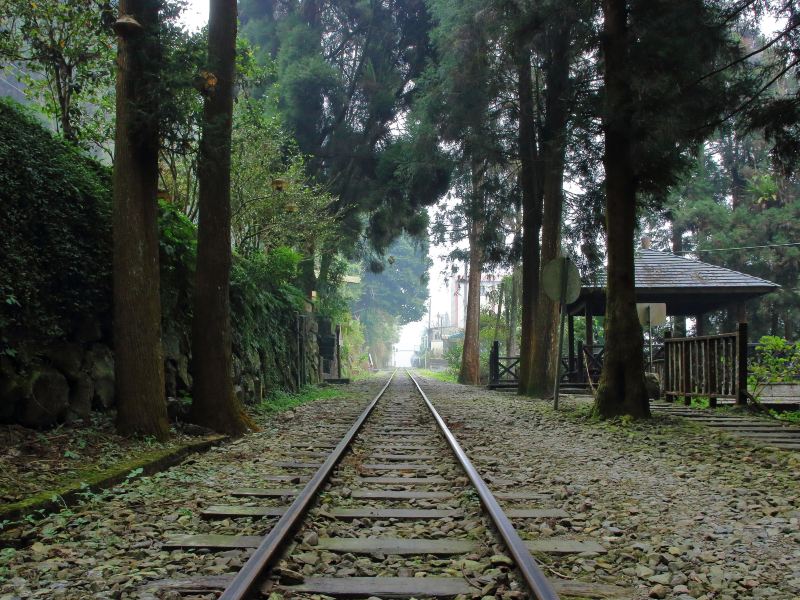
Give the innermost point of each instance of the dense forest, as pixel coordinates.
(300, 156)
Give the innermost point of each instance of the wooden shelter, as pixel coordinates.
(689, 288)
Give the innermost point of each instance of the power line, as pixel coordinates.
(738, 248)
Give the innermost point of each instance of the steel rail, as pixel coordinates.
(539, 585)
(268, 550)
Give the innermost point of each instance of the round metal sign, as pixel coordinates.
(561, 280)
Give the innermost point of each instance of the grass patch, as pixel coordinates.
(279, 401)
(790, 416)
(446, 376)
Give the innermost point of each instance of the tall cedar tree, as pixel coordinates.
(622, 388)
(663, 94)
(529, 180)
(471, 353)
(139, 366)
(553, 148)
(214, 403)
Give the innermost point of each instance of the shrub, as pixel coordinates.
(56, 240)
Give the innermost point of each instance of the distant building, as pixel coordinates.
(459, 288)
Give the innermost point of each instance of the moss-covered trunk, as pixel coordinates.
(214, 403)
(139, 366)
(622, 389)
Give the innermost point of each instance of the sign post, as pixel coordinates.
(649, 315)
(562, 283)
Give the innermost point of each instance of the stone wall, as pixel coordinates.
(44, 385)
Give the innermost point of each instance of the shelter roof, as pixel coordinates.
(686, 286)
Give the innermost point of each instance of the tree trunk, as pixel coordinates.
(553, 150)
(499, 312)
(511, 343)
(679, 327)
(471, 355)
(622, 389)
(531, 214)
(214, 403)
(138, 362)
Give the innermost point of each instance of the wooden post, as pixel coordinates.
(666, 383)
(494, 368)
(338, 352)
(581, 370)
(701, 326)
(741, 364)
(686, 379)
(571, 336)
(711, 372)
(589, 328)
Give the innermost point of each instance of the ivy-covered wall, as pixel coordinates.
(56, 357)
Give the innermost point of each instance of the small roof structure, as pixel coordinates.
(686, 286)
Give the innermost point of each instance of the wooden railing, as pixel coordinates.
(503, 370)
(713, 366)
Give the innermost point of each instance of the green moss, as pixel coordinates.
(279, 401)
(446, 376)
(90, 479)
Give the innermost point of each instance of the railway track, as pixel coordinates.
(393, 508)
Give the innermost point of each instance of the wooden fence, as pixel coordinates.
(503, 370)
(713, 366)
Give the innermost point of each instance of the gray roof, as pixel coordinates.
(658, 270)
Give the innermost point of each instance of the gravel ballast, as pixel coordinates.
(682, 512)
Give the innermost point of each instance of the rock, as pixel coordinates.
(289, 576)
(47, 400)
(100, 365)
(80, 398)
(658, 591)
(184, 382)
(643, 572)
(499, 559)
(680, 589)
(67, 358)
(653, 385)
(307, 558)
(662, 578)
(12, 390)
(311, 538)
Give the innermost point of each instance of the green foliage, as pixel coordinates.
(264, 215)
(66, 53)
(777, 360)
(448, 376)
(56, 240)
(57, 256)
(344, 77)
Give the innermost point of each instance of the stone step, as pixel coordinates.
(400, 495)
(402, 457)
(352, 587)
(218, 511)
(264, 492)
(413, 514)
(429, 587)
(403, 480)
(562, 546)
(395, 467)
(397, 546)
